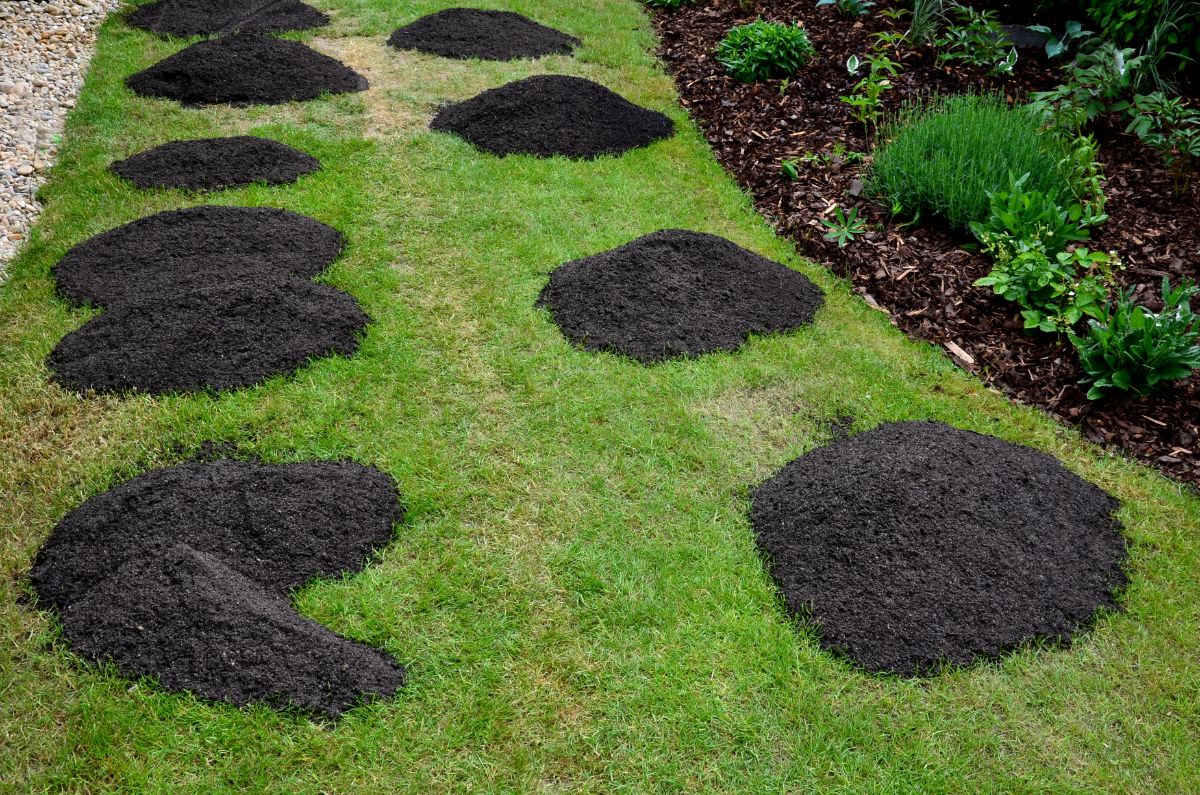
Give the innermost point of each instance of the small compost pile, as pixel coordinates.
(488, 35)
(216, 163)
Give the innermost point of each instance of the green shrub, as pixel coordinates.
(1131, 349)
(943, 160)
(762, 50)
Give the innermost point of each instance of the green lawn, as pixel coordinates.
(576, 592)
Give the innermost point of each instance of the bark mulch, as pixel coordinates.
(919, 274)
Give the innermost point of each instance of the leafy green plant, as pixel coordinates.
(1131, 349)
(761, 50)
(851, 9)
(1031, 220)
(1099, 76)
(1051, 293)
(866, 98)
(1056, 46)
(944, 159)
(1172, 128)
(978, 39)
(844, 227)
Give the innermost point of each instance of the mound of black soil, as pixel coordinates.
(216, 163)
(205, 17)
(918, 544)
(281, 525)
(182, 250)
(224, 337)
(676, 293)
(183, 573)
(489, 35)
(551, 115)
(245, 69)
(200, 626)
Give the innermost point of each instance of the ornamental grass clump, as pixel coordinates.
(944, 159)
(763, 50)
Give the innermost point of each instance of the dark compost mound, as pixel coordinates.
(918, 544)
(245, 69)
(676, 293)
(551, 115)
(280, 525)
(183, 574)
(223, 337)
(181, 250)
(489, 35)
(216, 163)
(205, 17)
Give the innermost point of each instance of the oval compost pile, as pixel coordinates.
(917, 545)
(206, 17)
(215, 164)
(676, 293)
(487, 35)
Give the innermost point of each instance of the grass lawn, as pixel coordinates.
(576, 593)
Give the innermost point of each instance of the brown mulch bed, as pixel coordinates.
(920, 275)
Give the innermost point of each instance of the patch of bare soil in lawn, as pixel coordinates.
(919, 274)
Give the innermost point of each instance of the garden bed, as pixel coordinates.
(920, 274)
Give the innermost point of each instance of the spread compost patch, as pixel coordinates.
(223, 337)
(205, 17)
(917, 544)
(181, 250)
(551, 115)
(676, 293)
(183, 574)
(246, 69)
(216, 163)
(475, 33)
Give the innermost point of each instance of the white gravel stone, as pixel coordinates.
(44, 52)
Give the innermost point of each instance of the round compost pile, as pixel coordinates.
(216, 338)
(206, 17)
(215, 164)
(245, 69)
(549, 115)
(676, 293)
(917, 545)
(183, 574)
(488, 35)
(181, 250)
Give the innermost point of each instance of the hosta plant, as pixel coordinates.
(761, 50)
(1131, 349)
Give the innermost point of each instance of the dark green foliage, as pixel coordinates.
(851, 9)
(1030, 220)
(668, 3)
(1169, 126)
(1051, 293)
(762, 50)
(944, 159)
(977, 38)
(1131, 349)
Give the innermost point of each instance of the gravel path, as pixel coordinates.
(44, 51)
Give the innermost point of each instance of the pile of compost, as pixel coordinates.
(210, 338)
(206, 298)
(551, 115)
(183, 574)
(488, 35)
(180, 250)
(206, 17)
(676, 293)
(245, 69)
(917, 545)
(215, 164)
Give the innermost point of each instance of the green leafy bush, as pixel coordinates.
(851, 9)
(762, 50)
(977, 38)
(1051, 293)
(1030, 220)
(1131, 349)
(943, 160)
(1169, 126)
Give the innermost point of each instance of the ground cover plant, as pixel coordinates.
(576, 593)
(804, 152)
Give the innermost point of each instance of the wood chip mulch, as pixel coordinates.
(919, 274)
